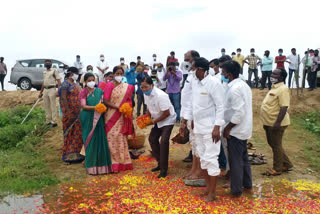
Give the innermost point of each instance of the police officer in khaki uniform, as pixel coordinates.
(50, 78)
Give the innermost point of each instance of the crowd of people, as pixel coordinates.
(209, 101)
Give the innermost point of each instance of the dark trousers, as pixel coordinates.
(222, 159)
(141, 102)
(241, 70)
(306, 70)
(296, 77)
(239, 165)
(256, 78)
(175, 100)
(274, 138)
(132, 99)
(312, 79)
(160, 150)
(266, 75)
(184, 79)
(2, 76)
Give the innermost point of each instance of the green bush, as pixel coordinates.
(312, 122)
(22, 165)
(13, 133)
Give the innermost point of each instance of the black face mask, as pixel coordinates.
(48, 66)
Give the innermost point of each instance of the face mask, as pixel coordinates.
(75, 77)
(146, 71)
(238, 52)
(78, 59)
(118, 78)
(280, 54)
(211, 71)
(226, 80)
(252, 53)
(154, 58)
(187, 66)
(139, 60)
(90, 71)
(148, 92)
(122, 61)
(102, 58)
(223, 53)
(91, 84)
(48, 66)
(273, 80)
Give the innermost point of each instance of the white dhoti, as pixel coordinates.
(208, 152)
(192, 139)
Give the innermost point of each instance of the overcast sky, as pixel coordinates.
(61, 29)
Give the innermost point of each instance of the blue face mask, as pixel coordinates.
(224, 79)
(148, 92)
(280, 54)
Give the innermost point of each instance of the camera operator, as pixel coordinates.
(174, 77)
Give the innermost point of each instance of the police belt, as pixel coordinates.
(48, 87)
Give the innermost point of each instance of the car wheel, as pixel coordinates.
(25, 84)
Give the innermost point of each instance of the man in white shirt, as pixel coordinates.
(194, 177)
(214, 69)
(208, 116)
(78, 64)
(161, 71)
(163, 117)
(238, 117)
(102, 67)
(185, 68)
(154, 64)
(293, 61)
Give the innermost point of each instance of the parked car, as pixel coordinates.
(28, 73)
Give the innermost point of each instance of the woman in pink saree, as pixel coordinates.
(117, 126)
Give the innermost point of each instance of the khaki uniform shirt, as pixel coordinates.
(278, 96)
(50, 77)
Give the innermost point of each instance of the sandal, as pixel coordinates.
(271, 172)
(285, 169)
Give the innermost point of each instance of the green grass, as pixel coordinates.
(22, 166)
(311, 143)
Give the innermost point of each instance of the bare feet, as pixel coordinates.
(210, 197)
(187, 175)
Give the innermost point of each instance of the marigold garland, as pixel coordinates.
(100, 108)
(126, 109)
(143, 121)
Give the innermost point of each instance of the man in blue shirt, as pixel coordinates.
(130, 75)
(140, 77)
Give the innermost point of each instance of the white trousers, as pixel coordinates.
(208, 152)
(192, 139)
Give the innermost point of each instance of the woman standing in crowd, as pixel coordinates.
(98, 160)
(116, 93)
(70, 106)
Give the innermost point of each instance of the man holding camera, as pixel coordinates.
(173, 78)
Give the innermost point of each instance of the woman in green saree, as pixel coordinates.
(97, 155)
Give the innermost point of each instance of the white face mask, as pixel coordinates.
(238, 52)
(211, 71)
(187, 66)
(273, 80)
(75, 77)
(102, 58)
(122, 61)
(91, 84)
(220, 70)
(154, 58)
(118, 78)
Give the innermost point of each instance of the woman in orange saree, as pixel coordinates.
(117, 126)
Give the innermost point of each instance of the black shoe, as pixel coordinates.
(162, 174)
(49, 124)
(155, 169)
(54, 125)
(188, 159)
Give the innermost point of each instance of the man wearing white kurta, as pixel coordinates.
(208, 117)
(195, 176)
(238, 117)
(102, 67)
